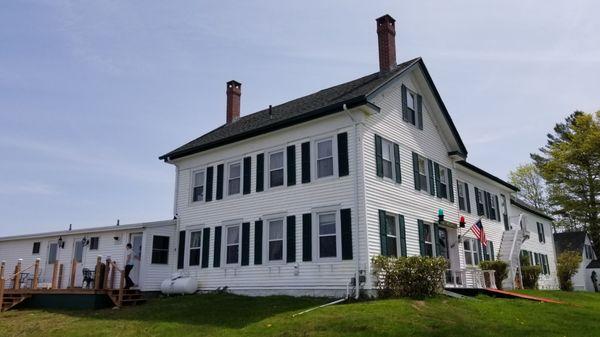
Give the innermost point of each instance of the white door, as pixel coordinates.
(136, 243)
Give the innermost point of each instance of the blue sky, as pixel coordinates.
(92, 92)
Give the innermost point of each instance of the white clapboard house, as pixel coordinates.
(153, 242)
(588, 276)
(297, 198)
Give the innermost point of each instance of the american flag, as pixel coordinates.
(477, 229)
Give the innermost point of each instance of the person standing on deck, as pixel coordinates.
(129, 265)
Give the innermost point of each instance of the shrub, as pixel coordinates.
(414, 276)
(567, 264)
(500, 269)
(530, 276)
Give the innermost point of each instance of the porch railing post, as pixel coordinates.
(2, 267)
(107, 270)
(17, 276)
(97, 272)
(36, 274)
(55, 275)
(73, 273)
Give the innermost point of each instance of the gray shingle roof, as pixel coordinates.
(569, 241)
(522, 204)
(299, 110)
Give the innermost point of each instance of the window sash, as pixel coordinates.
(234, 180)
(276, 174)
(462, 205)
(52, 253)
(232, 245)
(324, 158)
(327, 235)
(160, 249)
(94, 243)
(392, 235)
(198, 186)
(275, 240)
(195, 245)
(387, 156)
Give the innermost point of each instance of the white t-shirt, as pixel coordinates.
(129, 257)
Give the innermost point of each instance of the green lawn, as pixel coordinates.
(230, 315)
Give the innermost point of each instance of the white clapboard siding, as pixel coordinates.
(293, 200)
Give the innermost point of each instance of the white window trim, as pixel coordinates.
(397, 226)
(392, 160)
(472, 251)
(314, 156)
(433, 243)
(224, 245)
(414, 108)
(188, 245)
(91, 237)
(426, 166)
(192, 185)
(267, 178)
(447, 183)
(315, 236)
(227, 169)
(39, 249)
(464, 197)
(266, 228)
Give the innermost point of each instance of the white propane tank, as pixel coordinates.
(179, 285)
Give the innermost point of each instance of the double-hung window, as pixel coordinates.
(195, 245)
(471, 252)
(391, 235)
(387, 154)
(160, 249)
(52, 253)
(443, 186)
(36, 248)
(275, 242)
(462, 196)
(480, 202)
(324, 158)
(422, 163)
(276, 169)
(327, 235)
(232, 250)
(541, 234)
(494, 215)
(411, 105)
(94, 243)
(198, 189)
(233, 186)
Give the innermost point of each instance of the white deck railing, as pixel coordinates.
(470, 278)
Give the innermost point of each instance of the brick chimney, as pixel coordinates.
(234, 91)
(386, 36)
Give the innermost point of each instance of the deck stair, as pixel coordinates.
(128, 297)
(11, 300)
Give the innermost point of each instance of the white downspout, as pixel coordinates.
(176, 217)
(356, 187)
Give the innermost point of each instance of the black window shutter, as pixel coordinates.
(416, 171)
(307, 237)
(247, 174)
(436, 238)
(397, 163)
(450, 186)
(258, 236)
(421, 237)
(217, 248)
(291, 165)
(346, 220)
(467, 198)
(486, 197)
(404, 103)
(436, 174)
(497, 208)
(420, 112)
(291, 238)
(378, 156)
(260, 172)
(181, 250)
(209, 183)
(305, 149)
(245, 243)
(491, 250)
(402, 236)
(479, 251)
(205, 246)
(431, 180)
(383, 233)
(220, 169)
(342, 144)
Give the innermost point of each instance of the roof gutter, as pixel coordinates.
(328, 110)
